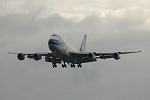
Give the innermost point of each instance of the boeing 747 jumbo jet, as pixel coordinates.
(63, 52)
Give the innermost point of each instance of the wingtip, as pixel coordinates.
(12, 53)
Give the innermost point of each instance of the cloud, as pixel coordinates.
(75, 8)
(123, 29)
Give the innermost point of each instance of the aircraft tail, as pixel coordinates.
(83, 45)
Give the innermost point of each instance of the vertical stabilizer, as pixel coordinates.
(83, 45)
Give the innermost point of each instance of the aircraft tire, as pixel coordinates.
(54, 66)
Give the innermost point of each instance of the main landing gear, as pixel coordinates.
(79, 66)
(65, 66)
(73, 65)
(54, 66)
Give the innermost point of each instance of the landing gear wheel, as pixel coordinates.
(79, 66)
(64, 66)
(54, 66)
(72, 66)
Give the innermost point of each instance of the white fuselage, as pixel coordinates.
(58, 46)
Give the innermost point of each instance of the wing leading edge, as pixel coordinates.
(49, 57)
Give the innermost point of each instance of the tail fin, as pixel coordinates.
(83, 45)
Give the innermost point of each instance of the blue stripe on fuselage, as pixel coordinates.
(56, 42)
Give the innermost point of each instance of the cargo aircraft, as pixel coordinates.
(62, 52)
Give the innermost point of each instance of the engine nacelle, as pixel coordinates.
(116, 56)
(36, 56)
(92, 56)
(21, 56)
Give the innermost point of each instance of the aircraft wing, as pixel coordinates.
(115, 55)
(31, 54)
(49, 57)
(83, 57)
(41, 53)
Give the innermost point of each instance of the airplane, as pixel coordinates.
(62, 52)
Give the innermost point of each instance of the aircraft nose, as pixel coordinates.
(52, 41)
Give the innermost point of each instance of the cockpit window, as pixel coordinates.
(54, 35)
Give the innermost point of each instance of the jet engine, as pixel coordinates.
(21, 56)
(116, 56)
(36, 56)
(92, 56)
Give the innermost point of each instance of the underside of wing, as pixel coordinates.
(128, 52)
(93, 56)
(115, 55)
(83, 57)
(49, 57)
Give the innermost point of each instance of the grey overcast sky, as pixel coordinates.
(111, 25)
